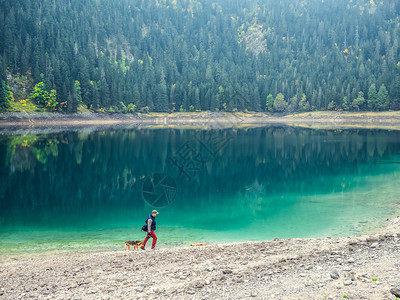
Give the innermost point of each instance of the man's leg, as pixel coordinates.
(153, 235)
(145, 241)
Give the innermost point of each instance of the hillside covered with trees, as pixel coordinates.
(190, 55)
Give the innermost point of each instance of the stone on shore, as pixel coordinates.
(396, 291)
(335, 275)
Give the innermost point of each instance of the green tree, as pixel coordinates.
(78, 92)
(382, 98)
(372, 97)
(3, 84)
(304, 105)
(44, 99)
(39, 94)
(255, 100)
(280, 104)
(395, 92)
(84, 80)
(72, 103)
(6, 96)
(197, 99)
(3, 101)
(345, 103)
(293, 104)
(51, 100)
(94, 95)
(269, 103)
(332, 105)
(131, 108)
(358, 103)
(162, 97)
(136, 96)
(216, 99)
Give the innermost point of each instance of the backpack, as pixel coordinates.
(144, 227)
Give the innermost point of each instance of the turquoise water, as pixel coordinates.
(92, 190)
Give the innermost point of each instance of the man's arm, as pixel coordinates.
(149, 221)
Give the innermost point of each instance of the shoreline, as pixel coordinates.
(203, 120)
(300, 268)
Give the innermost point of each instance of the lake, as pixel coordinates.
(93, 190)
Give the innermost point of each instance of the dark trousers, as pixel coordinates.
(153, 235)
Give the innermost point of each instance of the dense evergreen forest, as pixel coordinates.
(190, 55)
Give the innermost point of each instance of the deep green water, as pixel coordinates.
(93, 190)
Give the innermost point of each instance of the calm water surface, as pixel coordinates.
(93, 190)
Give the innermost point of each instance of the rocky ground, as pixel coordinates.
(206, 119)
(361, 267)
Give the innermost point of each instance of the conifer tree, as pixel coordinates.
(372, 98)
(382, 98)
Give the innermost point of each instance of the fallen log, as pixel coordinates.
(198, 244)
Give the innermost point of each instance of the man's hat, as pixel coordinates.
(155, 212)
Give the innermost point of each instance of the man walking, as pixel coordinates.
(151, 227)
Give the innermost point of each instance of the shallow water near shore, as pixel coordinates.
(74, 191)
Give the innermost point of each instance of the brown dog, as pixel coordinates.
(135, 245)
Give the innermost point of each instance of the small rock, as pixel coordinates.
(227, 271)
(199, 284)
(335, 275)
(396, 291)
(351, 261)
(139, 289)
(374, 245)
(190, 292)
(81, 282)
(253, 294)
(347, 282)
(350, 275)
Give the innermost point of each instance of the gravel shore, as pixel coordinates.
(360, 267)
(206, 120)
